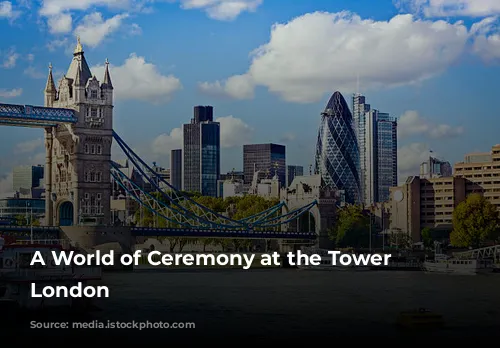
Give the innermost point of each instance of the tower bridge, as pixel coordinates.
(77, 119)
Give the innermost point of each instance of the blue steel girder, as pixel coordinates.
(35, 116)
(208, 233)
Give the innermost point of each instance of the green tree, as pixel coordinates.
(427, 237)
(352, 227)
(475, 221)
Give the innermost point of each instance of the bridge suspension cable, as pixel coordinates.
(183, 210)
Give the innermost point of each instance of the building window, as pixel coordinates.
(99, 149)
(93, 94)
(86, 148)
(93, 112)
(92, 149)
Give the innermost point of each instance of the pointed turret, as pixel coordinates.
(79, 64)
(50, 89)
(106, 82)
(50, 86)
(78, 78)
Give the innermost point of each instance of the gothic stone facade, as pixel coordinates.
(78, 187)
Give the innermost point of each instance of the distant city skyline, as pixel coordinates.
(260, 99)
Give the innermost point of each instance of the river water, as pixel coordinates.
(256, 305)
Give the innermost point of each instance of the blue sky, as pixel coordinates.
(267, 67)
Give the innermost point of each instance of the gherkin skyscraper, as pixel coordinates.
(337, 153)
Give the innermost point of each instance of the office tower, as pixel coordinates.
(435, 168)
(201, 166)
(376, 134)
(359, 111)
(269, 159)
(337, 153)
(27, 177)
(387, 152)
(369, 166)
(292, 172)
(176, 169)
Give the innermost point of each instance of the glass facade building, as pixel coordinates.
(16, 207)
(201, 153)
(176, 169)
(266, 158)
(292, 172)
(337, 152)
(387, 151)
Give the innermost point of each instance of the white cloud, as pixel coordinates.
(10, 93)
(29, 146)
(30, 57)
(33, 73)
(319, 52)
(10, 59)
(60, 23)
(6, 10)
(135, 29)
(138, 80)
(55, 7)
(222, 9)
(288, 137)
(451, 8)
(236, 87)
(6, 183)
(164, 143)
(410, 157)
(486, 35)
(93, 29)
(411, 123)
(56, 43)
(234, 132)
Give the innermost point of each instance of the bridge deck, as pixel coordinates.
(34, 116)
(175, 232)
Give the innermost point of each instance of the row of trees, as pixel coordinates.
(475, 222)
(236, 208)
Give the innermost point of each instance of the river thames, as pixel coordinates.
(256, 305)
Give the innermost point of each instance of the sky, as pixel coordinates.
(267, 66)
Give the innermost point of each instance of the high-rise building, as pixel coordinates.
(435, 168)
(266, 158)
(292, 172)
(377, 141)
(176, 169)
(369, 165)
(337, 152)
(27, 177)
(201, 166)
(387, 153)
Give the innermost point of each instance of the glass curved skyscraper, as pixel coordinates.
(337, 153)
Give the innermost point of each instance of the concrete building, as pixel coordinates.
(268, 159)
(201, 165)
(27, 177)
(176, 169)
(482, 172)
(420, 203)
(435, 168)
(292, 172)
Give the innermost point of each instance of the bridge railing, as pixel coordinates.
(37, 113)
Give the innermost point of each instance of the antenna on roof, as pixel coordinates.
(357, 84)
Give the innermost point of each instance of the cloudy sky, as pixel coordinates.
(267, 66)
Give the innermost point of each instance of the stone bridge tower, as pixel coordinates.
(77, 168)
